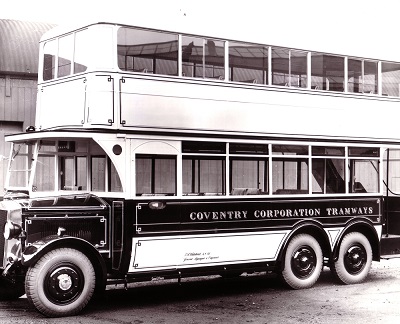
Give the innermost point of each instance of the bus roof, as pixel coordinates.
(375, 48)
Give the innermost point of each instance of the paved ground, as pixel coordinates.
(247, 299)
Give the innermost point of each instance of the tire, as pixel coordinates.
(354, 259)
(303, 262)
(61, 283)
(9, 290)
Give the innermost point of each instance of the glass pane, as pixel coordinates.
(155, 175)
(49, 60)
(280, 66)
(364, 176)
(326, 150)
(203, 176)
(147, 51)
(81, 173)
(98, 174)
(392, 171)
(328, 176)
(68, 173)
(212, 176)
(82, 56)
(235, 148)
(248, 63)
(354, 81)
(203, 147)
(298, 69)
(203, 58)
(289, 149)
(370, 77)
(47, 146)
(20, 167)
(390, 79)
(45, 173)
(164, 176)
(327, 72)
(249, 177)
(143, 175)
(290, 176)
(65, 53)
(115, 181)
(364, 151)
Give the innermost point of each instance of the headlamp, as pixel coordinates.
(11, 230)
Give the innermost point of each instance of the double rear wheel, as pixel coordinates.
(354, 259)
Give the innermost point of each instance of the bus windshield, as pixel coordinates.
(20, 166)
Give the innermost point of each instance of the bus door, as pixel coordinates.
(390, 242)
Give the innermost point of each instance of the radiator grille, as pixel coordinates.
(92, 229)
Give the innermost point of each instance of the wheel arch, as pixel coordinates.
(314, 229)
(364, 227)
(35, 251)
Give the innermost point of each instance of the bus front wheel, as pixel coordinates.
(303, 262)
(61, 283)
(354, 259)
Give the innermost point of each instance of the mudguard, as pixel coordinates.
(36, 250)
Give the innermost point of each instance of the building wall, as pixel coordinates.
(19, 50)
(17, 111)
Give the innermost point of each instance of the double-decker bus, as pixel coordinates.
(163, 154)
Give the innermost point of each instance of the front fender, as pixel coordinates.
(36, 250)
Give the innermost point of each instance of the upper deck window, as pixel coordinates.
(289, 67)
(49, 59)
(248, 63)
(147, 51)
(362, 76)
(65, 55)
(390, 79)
(76, 52)
(203, 58)
(327, 72)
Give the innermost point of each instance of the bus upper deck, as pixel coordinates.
(127, 78)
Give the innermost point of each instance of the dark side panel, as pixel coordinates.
(213, 216)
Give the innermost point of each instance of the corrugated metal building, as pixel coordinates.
(19, 56)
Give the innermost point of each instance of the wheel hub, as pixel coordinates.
(355, 259)
(64, 281)
(64, 284)
(303, 262)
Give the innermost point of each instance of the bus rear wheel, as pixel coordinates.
(61, 283)
(354, 259)
(303, 262)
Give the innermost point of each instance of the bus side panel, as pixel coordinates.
(166, 253)
(184, 234)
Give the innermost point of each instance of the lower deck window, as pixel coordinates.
(290, 176)
(203, 176)
(249, 176)
(364, 176)
(60, 167)
(45, 171)
(328, 176)
(155, 175)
